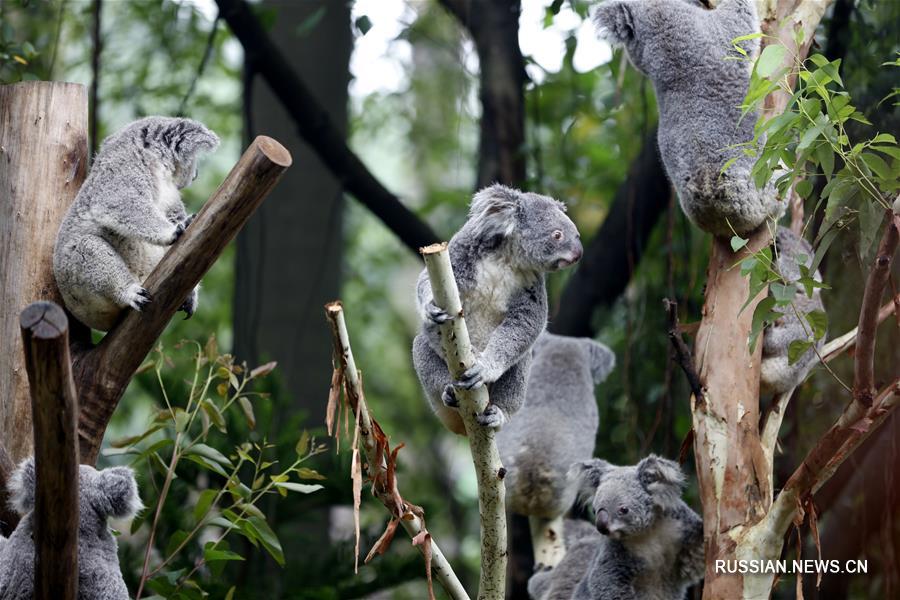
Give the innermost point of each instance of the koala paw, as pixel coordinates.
(137, 297)
(449, 396)
(188, 220)
(436, 314)
(542, 568)
(179, 230)
(471, 377)
(492, 417)
(189, 306)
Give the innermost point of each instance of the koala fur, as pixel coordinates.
(499, 259)
(125, 216)
(776, 374)
(101, 494)
(558, 427)
(651, 547)
(682, 48)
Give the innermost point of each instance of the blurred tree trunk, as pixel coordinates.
(289, 255)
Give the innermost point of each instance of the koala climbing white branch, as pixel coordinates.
(103, 372)
(491, 491)
(54, 408)
(377, 468)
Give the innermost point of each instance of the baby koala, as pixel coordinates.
(126, 215)
(499, 259)
(777, 375)
(101, 494)
(683, 48)
(651, 545)
(557, 427)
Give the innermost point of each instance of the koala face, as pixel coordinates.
(627, 500)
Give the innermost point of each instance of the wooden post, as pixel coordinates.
(45, 336)
(104, 372)
(43, 161)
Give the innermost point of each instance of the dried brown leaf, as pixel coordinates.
(423, 538)
(814, 526)
(384, 542)
(333, 398)
(356, 476)
(263, 370)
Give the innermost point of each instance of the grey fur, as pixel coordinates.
(653, 551)
(558, 426)
(101, 494)
(499, 259)
(126, 214)
(682, 48)
(776, 374)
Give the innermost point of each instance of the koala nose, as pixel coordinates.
(577, 253)
(603, 521)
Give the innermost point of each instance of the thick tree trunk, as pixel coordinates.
(43, 161)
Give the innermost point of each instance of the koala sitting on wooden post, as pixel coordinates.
(650, 542)
(101, 494)
(684, 50)
(499, 258)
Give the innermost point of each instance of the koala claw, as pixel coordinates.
(492, 417)
(471, 378)
(542, 568)
(137, 297)
(188, 308)
(179, 230)
(436, 314)
(449, 397)
(188, 220)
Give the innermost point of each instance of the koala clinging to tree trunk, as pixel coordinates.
(126, 215)
(499, 259)
(683, 49)
(557, 428)
(777, 374)
(101, 494)
(651, 546)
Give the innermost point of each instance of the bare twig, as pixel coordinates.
(682, 352)
(45, 336)
(103, 372)
(383, 487)
(490, 472)
(96, 50)
(207, 52)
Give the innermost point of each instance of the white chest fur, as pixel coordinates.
(496, 282)
(167, 194)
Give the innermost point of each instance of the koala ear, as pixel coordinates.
(21, 487)
(188, 138)
(494, 209)
(615, 21)
(603, 361)
(585, 476)
(661, 477)
(114, 493)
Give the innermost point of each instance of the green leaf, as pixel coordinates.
(770, 60)
(818, 322)
(304, 473)
(877, 164)
(737, 243)
(268, 538)
(797, 349)
(303, 488)
(204, 502)
(870, 217)
(208, 464)
(248, 411)
(182, 418)
(130, 441)
(884, 137)
(825, 157)
(302, 444)
(804, 188)
(177, 538)
(215, 415)
(210, 554)
(783, 294)
(761, 316)
(892, 151)
(208, 452)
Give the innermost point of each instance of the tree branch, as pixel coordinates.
(45, 336)
(837, 346)
(605, 268)
(316, 128)
(459, 355)
(682, 352)
(384, 487)
(104, 372)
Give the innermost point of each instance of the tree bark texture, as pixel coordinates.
(43, 161)
(45, 337)
(460, 356)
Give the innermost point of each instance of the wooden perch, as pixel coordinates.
(45, 336)
(384, 487)
(491, 491)
(316, 128)
(104, 372)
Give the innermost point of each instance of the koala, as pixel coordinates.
(776, 374)
(558, 426)
(650, 545)
(499, 257)
(126, 215)
(682, 48)
(101, 494)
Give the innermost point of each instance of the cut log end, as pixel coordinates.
(273, 150)
(334, 307)
(433, 249)
(44, 320)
